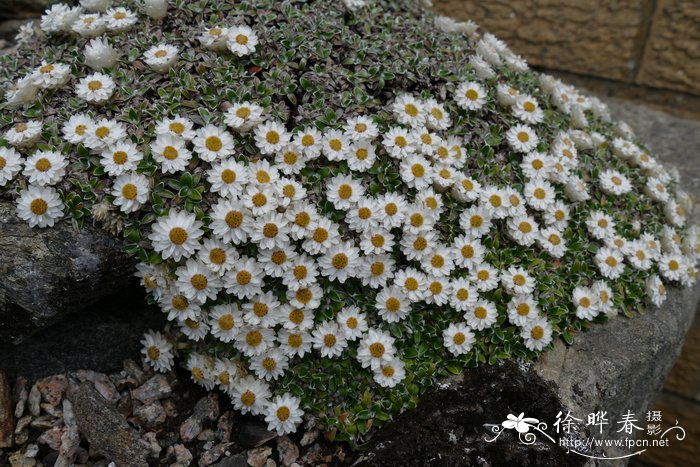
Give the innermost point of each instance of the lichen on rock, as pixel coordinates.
(335, 202)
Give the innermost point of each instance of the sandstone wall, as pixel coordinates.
(646, 42)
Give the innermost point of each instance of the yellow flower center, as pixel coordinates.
(197, 374)
(471, 94)
(177, 128)
(120, 157)
(269, 364)
(554, 239)
(340, 261)
(95, 85)
(495, 201)
(616, 180)
(523, 136)
(279, 257)
(529, 106)
(673, 265)
(435, 288)
(217, 256)
(401, 141)
(262, 176)
(102, 132)
(170, 153)
(335, 144)
(467, 251)
(260, 309)
(290, 158)
(523, 309)
(46, 69)
(459, 338)
(300, 272)
(39, 207)
(272, 137)
(129, 191)
(537, 164)
(361, 154)
(420, 244)
(411, 110)
(244, 277)
(199, 281)
(437, 113)
(519, 280)
(476, 221)
(295, 341)
(525, 227)
(388, 371)
(329, 340)
(270, 230)
(234, 219)
(302, 219)
(178, 235)
(462, 294)
(296, 316)
(241, 39)
(248, 398)
(483, 275)
(304, 295)
(437, 261)
(351, 323)
(360, 127)
(376, 349)
(160, 54)
(253, 338)
(377, 269)
(119, 15)
(153, 352)
(480, 312)
(611, 261)
(43, 164)
(585, 302)
(537, 333)
(226, 322)
(179, 302)
(344, 191)
(393, 304)
(80, 130)
(214, 143)
(540, 193)
(243, 112)
(259, 200)
(320, 235)
(559, 215)
(283, 414)
(307, 141)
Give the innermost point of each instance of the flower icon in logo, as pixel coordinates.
(520, 423)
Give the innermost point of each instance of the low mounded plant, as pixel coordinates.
(336, 202)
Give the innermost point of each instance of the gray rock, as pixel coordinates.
(151, 414)
(24, 8)
(106, 429)
(7, 415)
(253, 433)
(155, 388)
(206, 409)
(287, 451)
(238, 460)
(50, 272)
(615, 367)
(70, 439)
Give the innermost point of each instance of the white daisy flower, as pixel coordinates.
(10, 165)
(516, 202)
(283, 414)
(302, 218)
(323, 236)
(463, 295)
(40, 206)
(557, 215)
(517, 281)
(363, 215)
(375, 349)
(277, 261)
(390, 373)
(157, 351)
(245, 279)
(468, 251)
(294, 343)
(476, 221)
(438, 290)
(432, 202)
(408, 110)
(152, 278)
(59, 18)
(225, 321)
(444, 177)
(130, 192)
(100, 54)
(671, 242)
(361, 155)
(120, 19)
(178, 127)
(418, 219)
(600, 225)
(291, 160)
(482, 315)
(495, 201)
(539, 194)
(329, 339)
(260, 310)
(25, 34)
(242, 40)
(201, 369)
(639, 255)
(171, 153)
(610, 262)
(214, 38)
(361, 128)
(466, 189)
(243, 116)
(51, 75)
(506, 95)
(655, 290)
(552, 241)
(269, 230)
(104, 133)
(470, 95)
(76, 128)
(458, 339)
(522, 309)
(392, 209)
(96, 88)
(227, 177)
(306, 297)
(340, 262)
(271, 137)
(438, 261)
(197, 282)
(614, 183)
(392, 304)
(416, 172)
(177, 306)
(523, 230)
(45, 168)
(605, 296)
(672, 266)
(231, 221)
(352, 322)
(484, 277)
(576, 189)
(89, 25)
(250, 395)
(195, 329)
(657, 190)
(527, 110)
(343, 191)
(586, 302)
(536, 334)
(302, 272)
(254, 340)
(296, 318)
(375, 270)
(412, 282)
(675, 213)
(120, 158)
(24, 134)
(536, 164)
(176, 235)
(212, 143)
(522, 138)
(335, 145)
(437, 117)
(225, 372)
(398, 143)
(269, 365)
(416, 246)
(376, 240)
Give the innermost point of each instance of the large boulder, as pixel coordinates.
(50, 272)
(24, 8)
(617, 367)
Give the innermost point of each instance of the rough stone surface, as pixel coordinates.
(98, 338)
(615, 367)
(106, 429)
(7, 416)
(596, 37)
(684, 379)
(672, 53)
(24, 8)
(49, 272)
